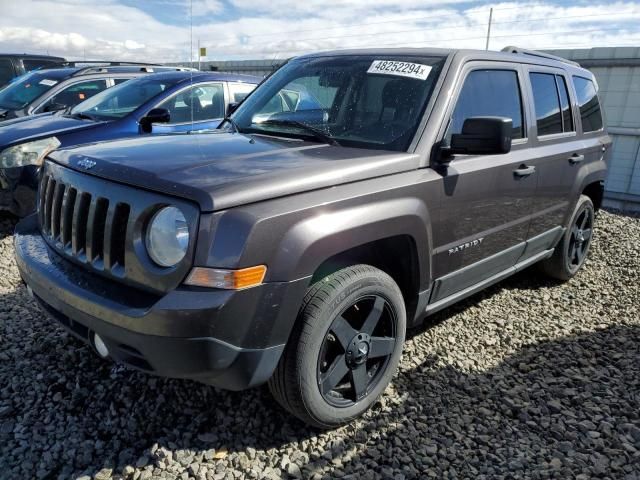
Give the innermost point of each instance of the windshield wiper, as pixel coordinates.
(315, 132)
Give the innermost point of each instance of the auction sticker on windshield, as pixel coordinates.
(400, 69)
(48, 83)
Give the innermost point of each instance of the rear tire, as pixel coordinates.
(344, 349)
(571, 253)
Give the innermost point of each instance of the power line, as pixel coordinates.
(374, 23)
(397, 32)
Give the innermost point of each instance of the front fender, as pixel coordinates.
(311, 241)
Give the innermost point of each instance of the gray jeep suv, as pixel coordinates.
(348, 197)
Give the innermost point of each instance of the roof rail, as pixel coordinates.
(535, 53)
(129, 68)
(104, 63)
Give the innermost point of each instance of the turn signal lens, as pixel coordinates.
(227, 279)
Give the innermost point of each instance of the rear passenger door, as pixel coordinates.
(486, 200)
(558, 153)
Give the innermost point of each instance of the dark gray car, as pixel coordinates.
(13, 65)
(349, 196)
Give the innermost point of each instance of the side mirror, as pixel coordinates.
(480, 136)
(155, 115)
(232, 107)
(54, 107)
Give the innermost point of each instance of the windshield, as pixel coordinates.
(26, 89)
(365, 101)
(123, 99)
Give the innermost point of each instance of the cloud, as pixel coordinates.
(159, 31)
(203, 8)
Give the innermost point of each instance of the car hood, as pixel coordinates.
(222, 170)
(29, 128)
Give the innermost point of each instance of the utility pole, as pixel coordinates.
(199, 54)
(489, 28)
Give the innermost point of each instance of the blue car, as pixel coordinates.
(171, 102)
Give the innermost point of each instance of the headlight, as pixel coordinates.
(31, 153)
(167, 237)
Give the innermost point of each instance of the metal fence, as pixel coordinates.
(618, 73)
(247, 67)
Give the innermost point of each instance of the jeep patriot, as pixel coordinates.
(347, 198)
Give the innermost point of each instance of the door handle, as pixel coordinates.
(576, 158)
(524, 171)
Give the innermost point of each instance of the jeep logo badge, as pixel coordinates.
(86, 163)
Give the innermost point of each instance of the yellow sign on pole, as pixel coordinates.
(203, 51)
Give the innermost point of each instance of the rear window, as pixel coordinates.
(589, 105)
(35, 64)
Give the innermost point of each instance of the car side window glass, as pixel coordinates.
(567, 117)
(30, 64)
(239, 91)
(6, 71)
(587, 95)
(198, 103)
(74, 94)
(118, 81)
(546, 103)
(489, 93)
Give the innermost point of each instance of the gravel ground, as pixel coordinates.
(528, 379)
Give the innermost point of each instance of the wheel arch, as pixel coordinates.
(403, 269)
(392, 235)
(595, 191)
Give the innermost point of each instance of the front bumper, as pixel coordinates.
(230, 339)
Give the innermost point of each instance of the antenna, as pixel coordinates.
(191, 51)
(489, 28)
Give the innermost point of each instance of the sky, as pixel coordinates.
(166, 30)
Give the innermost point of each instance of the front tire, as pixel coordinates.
(571, 253)
(345, 347)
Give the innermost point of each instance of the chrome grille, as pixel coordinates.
(88, 227)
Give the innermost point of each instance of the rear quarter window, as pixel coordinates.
(590, 112)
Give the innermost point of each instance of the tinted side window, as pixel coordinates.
(32, 64)
(567, 118)
(547, 103)
(489, 93)
(6, 71)
(589, 105)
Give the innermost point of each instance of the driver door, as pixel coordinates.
(195, 108)
(486, 200)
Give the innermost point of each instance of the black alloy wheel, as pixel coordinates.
(344, 349)
(356, 350)
(580, 239)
